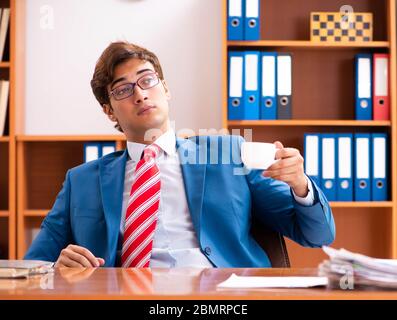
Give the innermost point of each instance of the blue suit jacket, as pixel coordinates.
(87, 211)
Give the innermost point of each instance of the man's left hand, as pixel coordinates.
(289, 169)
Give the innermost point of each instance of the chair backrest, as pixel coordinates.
(272, 243)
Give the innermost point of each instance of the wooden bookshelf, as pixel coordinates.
(324, 102)
(364, 204)
(7, 146)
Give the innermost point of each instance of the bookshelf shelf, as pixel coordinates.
(36, 213)
(342, 123)
(5, 64)
(369, 204)
(4, 139)
(4, 213)
(307, 44)
(30, 138)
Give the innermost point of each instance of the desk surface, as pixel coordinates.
(180, 284)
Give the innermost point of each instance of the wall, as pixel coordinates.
(64, 38)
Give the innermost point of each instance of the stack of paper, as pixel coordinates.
(346, 270)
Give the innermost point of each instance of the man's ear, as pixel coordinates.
(107, 109)
(167, 91)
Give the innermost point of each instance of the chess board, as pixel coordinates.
(341, 27)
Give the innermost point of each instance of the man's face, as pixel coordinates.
(144, 109)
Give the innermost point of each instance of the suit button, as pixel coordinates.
(207, 251)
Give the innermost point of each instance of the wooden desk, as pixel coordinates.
(160, 284)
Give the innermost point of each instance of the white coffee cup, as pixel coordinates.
(258, 155)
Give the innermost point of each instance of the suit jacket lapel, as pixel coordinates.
(111, 179)
(193, 178)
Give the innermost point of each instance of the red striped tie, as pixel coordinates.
(142, 209)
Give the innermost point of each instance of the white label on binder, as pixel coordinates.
(106, 150)
(236, 77)
(235, 8)
(381, 77)
(251, 72)
(344, 157)
(362, 158)
(284, 80)
(268, 76)
(364, 78)
(312, 155)
(252, 8)
(379, 158)
(328, 158)
(91, 153)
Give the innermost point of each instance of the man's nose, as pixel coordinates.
(139, 95)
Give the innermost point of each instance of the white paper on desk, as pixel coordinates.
(238, 282)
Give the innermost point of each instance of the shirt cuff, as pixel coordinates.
(309, 199)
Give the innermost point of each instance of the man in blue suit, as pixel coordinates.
(206, 207)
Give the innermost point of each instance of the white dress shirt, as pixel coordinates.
(175, 242)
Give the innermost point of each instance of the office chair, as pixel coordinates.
(272, 243)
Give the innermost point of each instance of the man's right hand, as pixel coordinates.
(76, 257)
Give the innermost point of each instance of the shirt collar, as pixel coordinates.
(167, 143)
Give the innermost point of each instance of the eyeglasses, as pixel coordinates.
(147, 81)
